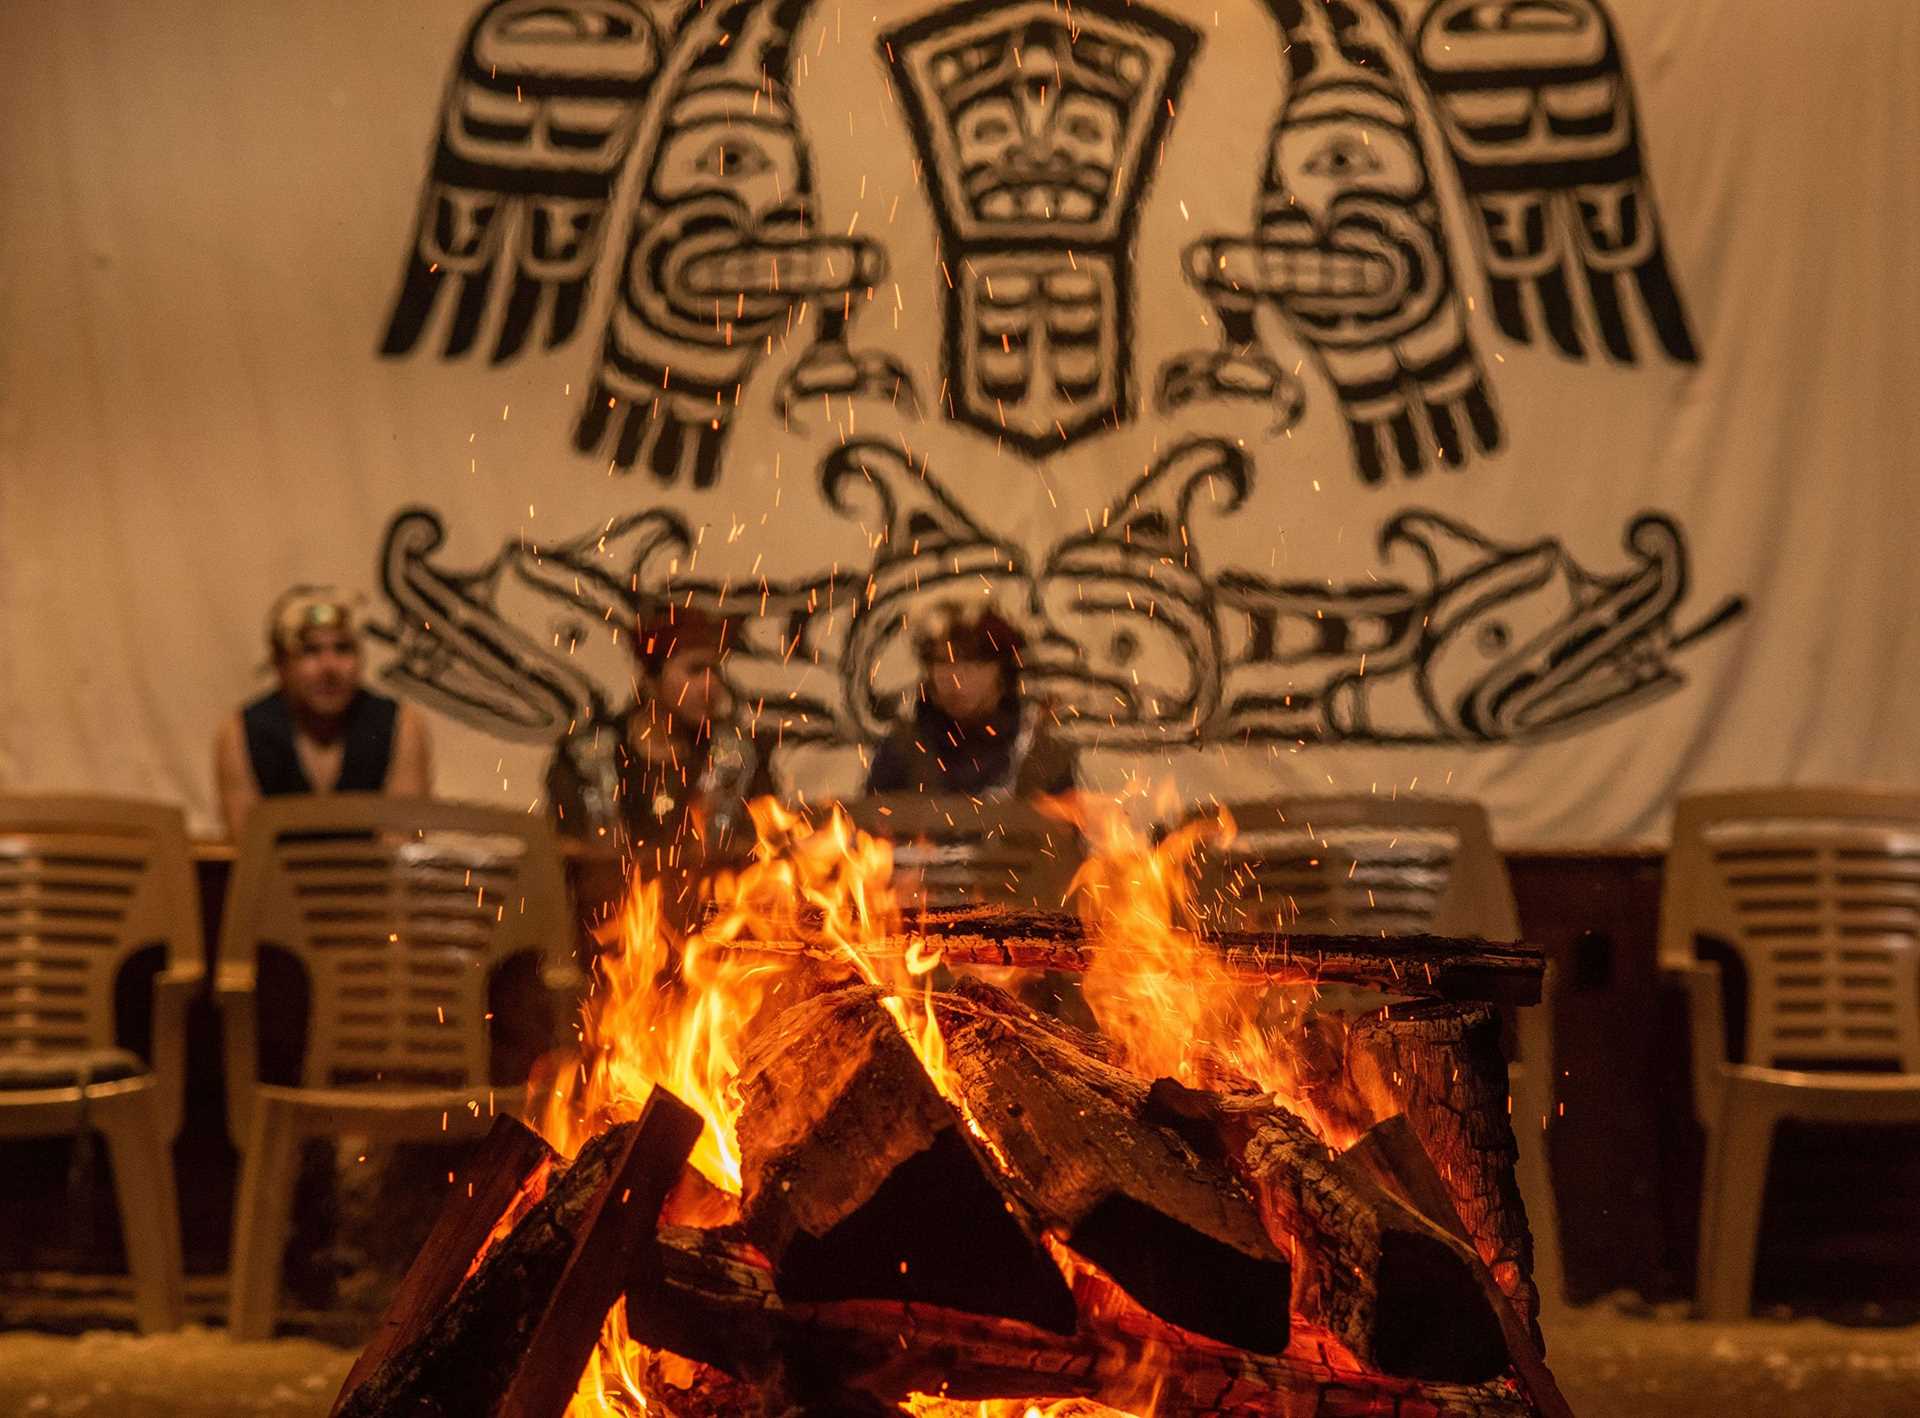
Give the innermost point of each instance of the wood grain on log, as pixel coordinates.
(1446, 1071)
(861, 1182)
(1176, 1229)
(1403, 1294)
(1392, 1154)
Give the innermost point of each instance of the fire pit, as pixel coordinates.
(1277, 1180)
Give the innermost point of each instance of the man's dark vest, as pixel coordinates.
(363, 766)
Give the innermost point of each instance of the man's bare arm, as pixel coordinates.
(233, 776)
(411, 773)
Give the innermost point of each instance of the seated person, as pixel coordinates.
(970, 730)
(321, 731)
(669, 778)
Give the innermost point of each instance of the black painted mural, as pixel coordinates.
(1438, 180)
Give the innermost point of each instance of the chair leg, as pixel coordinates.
(261, 1216)
(1731, 1197)
(143, 1183)
(1533, 1171)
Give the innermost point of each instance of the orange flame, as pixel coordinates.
(676, 1010)
(1161, 993)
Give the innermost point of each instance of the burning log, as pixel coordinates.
(865, 1356)
(1445, 1070)
(1415, 966)
(1071, 1132)
(516, 1335)
(503, 1170)
(861, 1181)
(1392, 1153)
(1399, 1291)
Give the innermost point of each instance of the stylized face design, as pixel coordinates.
(1038, 151)
(321, 671)
(1531, 646)
(1321, 163)
(724, 144)
(1346, 181)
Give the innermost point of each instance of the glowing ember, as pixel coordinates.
(921, 1406)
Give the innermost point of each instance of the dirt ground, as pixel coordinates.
(1613, 1361)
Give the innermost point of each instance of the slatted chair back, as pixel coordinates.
(85, 881)
(1818, 892)
(1360, 864)
(399, 909)
(954, 850)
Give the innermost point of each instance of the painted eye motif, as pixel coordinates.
(731, 158)
(1343, 158)
(991, 129)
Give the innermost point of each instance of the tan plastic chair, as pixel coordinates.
(399, 910)
(953, 850)
(1397, 866)
(1817, 891)
(83, 883)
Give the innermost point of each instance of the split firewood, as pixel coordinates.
(865, 1356)
(861, 1182)
(516, 1334)
(1392, 1153)
(1396, 1289)
(495, 1179)
(1175, 1229)
(1445, 1070)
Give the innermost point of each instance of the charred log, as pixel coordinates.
(1174, 1228)
(1446, 1071)
(861, 1181)
(864, 1356)
(1414, 966)
(515, 1336)
(1402, 1293)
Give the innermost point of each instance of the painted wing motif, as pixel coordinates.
(1534, 102)
(725, 251)
(539, 117)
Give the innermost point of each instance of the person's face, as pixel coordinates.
(321, 672)
(967, 690)
(693, 687)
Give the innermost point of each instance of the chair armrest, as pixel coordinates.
(174, 991)
(233, 992)
(1707, 1037)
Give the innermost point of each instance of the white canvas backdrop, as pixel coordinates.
(209, 205)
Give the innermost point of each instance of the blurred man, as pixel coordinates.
(970, 730)
(669, 777)
(321, 731)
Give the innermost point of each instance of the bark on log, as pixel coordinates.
(1175, 1229)
(1391, 1153)
(861, 1181)
(1403, 1294)
(1446, 1071)
(1415, 966)
(510, 1154)
(863, 1357)
(464, 1361)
